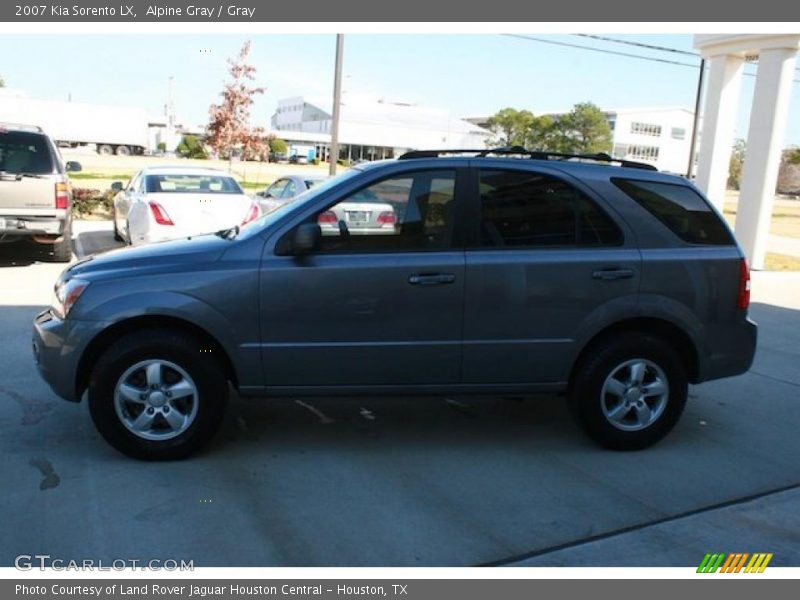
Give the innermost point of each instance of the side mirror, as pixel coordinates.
(306, 239)
(117, 186)
(73, 166)
(261, 194)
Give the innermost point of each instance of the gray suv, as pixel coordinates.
(504, 272)
(35, 193)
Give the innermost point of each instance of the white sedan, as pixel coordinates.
(167, 203)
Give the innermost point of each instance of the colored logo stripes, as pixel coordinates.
(735, 562)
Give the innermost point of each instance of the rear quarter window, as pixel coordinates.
(684, 212)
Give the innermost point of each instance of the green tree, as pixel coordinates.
(583, 130)
(191, 147)
(736, 164)
(278, 146)
(509, 127)
(2, 82)
(793, 156)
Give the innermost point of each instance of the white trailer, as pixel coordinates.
(119, 130)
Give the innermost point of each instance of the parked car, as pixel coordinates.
(167, 203)
(506, 272)
(35, 192)
(290, 186)
(286, 189)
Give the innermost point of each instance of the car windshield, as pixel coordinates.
(24, 152)
(298, 203)
(190, 184)
(310, 183)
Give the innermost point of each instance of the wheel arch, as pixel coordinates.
(666, 330)
(108, 336)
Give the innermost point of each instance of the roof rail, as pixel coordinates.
(532, 154)
(20, 127)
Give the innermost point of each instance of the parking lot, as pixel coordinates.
(404, 481)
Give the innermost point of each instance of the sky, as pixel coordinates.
(471, 75)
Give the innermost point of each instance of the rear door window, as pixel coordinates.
(528, 209)
(685, 212)
(25, 152)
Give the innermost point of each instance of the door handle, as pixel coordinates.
(431, 278)
(612, 274)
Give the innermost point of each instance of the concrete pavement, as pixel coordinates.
(402, 481)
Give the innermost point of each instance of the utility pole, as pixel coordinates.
(337, 97)
(693, 142)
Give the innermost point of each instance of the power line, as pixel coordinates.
(531, 38)
(638, 44)
(601, 50)
(643, 45)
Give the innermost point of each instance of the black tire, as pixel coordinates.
(105, 150)
(122, 151)
(600, 362)
(181, 349)
(117, 235)
(62, 251)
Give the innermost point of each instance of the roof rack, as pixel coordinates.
(532, 154)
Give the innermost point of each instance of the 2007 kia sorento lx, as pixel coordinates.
(502, 271)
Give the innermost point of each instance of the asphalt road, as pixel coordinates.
(402, 482)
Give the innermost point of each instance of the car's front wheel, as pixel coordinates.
(158, 394)
(629, 391)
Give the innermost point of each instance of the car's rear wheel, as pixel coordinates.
(62, 249)
(158, 394)
(629, 391)
(117, 235)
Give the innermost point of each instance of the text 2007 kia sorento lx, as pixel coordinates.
(500, 271)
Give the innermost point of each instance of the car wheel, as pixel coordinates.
(158, 395)
(629, 392)
(62, 251)
(117, 235)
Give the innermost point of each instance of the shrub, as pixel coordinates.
(278, 146)
(162, 146)
(87, 201)
(191, 147)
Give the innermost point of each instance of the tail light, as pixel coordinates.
(743, 298)
(252, 214)
(159, 214)
(62, 196)
(327, 218)
(387, 218)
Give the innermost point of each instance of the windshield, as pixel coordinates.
(24, 152)
(313, 182)
(191, 184)
(298, 203)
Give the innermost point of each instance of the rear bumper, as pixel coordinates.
(733, 348)
(28, 225)
(57, 348)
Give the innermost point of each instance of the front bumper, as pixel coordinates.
(58, 345)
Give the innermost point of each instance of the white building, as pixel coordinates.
(373, 128)
(659, 136)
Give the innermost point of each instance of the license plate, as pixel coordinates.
(357, 216)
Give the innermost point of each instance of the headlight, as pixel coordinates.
(66, 294)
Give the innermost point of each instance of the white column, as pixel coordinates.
(719, 121)
(763, 153)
